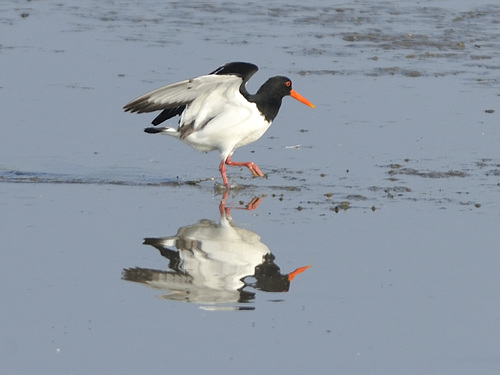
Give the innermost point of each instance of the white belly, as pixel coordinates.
(229, 130)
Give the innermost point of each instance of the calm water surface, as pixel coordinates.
(389, 190)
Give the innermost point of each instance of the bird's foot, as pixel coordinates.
(256, 172)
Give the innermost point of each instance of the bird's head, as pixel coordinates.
(280, 86)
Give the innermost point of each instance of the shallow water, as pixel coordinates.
(389, 189)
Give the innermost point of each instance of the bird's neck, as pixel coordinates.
(268, 105)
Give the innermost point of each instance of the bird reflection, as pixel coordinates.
(214, 263)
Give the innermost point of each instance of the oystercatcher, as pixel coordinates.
(217, 112)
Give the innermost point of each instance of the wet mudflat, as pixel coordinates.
(389, 190)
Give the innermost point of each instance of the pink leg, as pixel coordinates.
(222, 169)
(256, 172)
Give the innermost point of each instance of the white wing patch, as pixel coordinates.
(181, 93)
(210, 104)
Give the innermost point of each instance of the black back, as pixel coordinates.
(240, 69)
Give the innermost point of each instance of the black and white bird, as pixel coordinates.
(217, 112)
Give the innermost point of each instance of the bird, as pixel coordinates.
(214, 262)
(216, 111)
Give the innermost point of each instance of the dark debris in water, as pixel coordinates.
(344, 206)
(427, 174)
(54, 178)
(390, 31)
(443, 34)
(405, 41)
(319, 193)
(391, 191)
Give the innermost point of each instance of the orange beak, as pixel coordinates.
(300, 98)
(291, 275)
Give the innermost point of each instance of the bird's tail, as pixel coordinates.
(163, 130)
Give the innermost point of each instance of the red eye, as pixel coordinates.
(288, 83)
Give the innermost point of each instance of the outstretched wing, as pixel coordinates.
(174, 98)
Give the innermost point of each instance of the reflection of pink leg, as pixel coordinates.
(252, 205)
(222, 205)
(256, 172)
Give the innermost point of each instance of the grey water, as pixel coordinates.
(117, 256)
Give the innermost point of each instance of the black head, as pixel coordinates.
(276, 87)
(269, 96)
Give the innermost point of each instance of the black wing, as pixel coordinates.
(168, 113)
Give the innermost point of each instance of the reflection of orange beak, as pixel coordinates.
(291, 275)
(300, 98)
